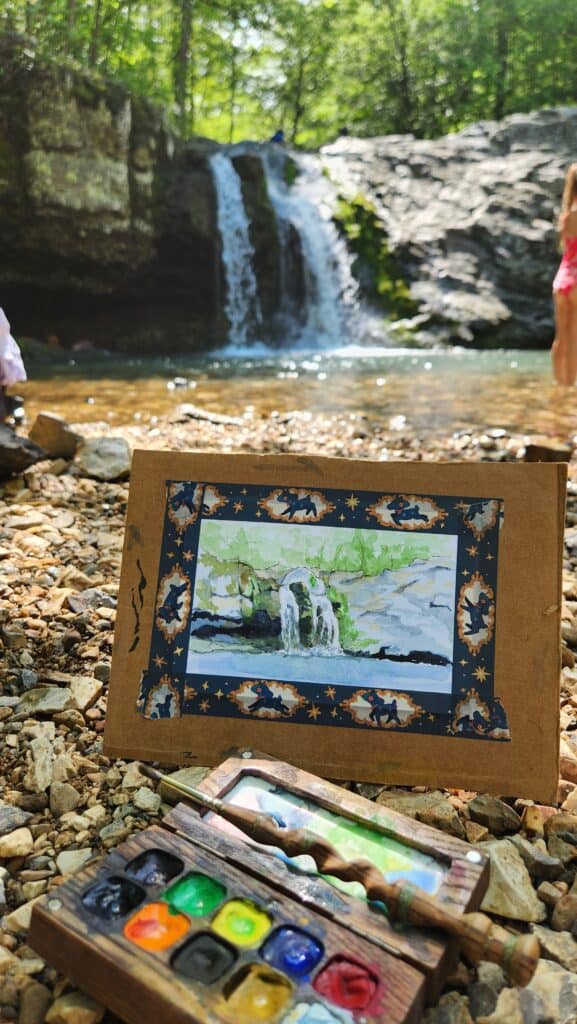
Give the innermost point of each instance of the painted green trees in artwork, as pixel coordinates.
(235, 69)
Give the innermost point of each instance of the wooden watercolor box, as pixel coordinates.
(358, 968)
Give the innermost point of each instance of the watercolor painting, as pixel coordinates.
(323, 605)
(352, 839)
(294, 604)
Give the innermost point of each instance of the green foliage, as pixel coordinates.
(374, 266)
(234, 69)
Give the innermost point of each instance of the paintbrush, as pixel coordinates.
(478, 937)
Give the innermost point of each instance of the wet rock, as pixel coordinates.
(16, 844)
(16, 453)
(452, 1008)
(510, 893)
(558, 946)
(75, 1008)
(70, 861)
(28, 679)
(63, 798)
(55, 436)
(494, 814)
(104, 458)
(540, 865)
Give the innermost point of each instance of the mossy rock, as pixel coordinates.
(376, 268)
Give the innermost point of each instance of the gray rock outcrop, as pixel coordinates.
(471, 220)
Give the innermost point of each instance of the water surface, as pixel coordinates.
(426, 391)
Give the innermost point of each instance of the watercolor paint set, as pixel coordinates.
(186, 924)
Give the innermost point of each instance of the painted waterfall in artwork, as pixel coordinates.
(321, 604)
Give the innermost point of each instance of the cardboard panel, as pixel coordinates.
(387, 622)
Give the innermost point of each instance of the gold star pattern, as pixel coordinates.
(473, 550)
(188, 556)
(465, 572)
(481, 674)
(244, 491)
(462, 506)
(179, 542)
(204, 705)
(172, 554)
(330, 692)
(334, 713)
(159, 661)
(219, 694)
(431, 718)
(489, 558)
(238, 506)
(352, 502)
(314, 712)
(463, 662)
(178, 651)
(258, 513)
(342, 518)
(205, 685)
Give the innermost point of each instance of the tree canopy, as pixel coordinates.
(236, 69)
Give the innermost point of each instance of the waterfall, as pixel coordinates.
(332, 300)
(324, 636)
(242, 306)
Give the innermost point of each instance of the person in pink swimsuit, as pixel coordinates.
(564, 349)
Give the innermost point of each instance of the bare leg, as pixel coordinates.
(571, 363)
(561, 344)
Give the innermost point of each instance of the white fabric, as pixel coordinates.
(11, 365)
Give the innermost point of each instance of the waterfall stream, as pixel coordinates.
(324, 632)
(332, 297)
(242, 306)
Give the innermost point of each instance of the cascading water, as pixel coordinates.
(332, 299)
(242, 306)
(324, 637)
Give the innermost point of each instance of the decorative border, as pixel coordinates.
(471, 710)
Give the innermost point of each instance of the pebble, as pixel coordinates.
(34, 1002)
(75, 1008)
(510, 893)
(558, 946)
(145, 800)
(16, 844)
(494, 814)
(63, 798)
(70, 861)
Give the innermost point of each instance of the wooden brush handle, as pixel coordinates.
(478, 937)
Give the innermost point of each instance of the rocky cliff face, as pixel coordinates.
(470, 219)
(108, 221)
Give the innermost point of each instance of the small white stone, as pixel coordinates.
(70, 861)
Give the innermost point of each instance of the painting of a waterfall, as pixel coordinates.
(318, 604)
(360, 610)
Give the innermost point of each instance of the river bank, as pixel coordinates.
(63, 802)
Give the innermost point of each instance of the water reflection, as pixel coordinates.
(426, 391)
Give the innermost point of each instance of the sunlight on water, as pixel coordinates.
(414, 389)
